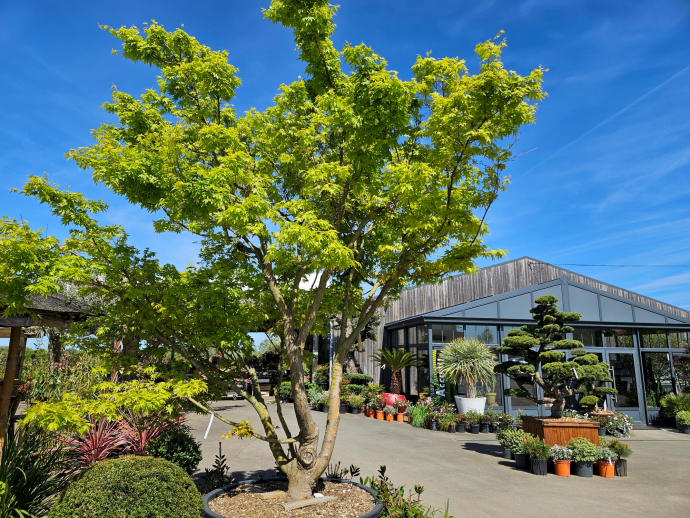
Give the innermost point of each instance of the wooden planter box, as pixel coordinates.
(555, 431)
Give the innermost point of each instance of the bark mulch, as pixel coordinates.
(240, 502)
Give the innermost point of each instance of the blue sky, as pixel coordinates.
(607, 181)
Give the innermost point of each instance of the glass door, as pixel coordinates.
(625, 373)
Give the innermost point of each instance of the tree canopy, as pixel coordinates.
(355, 180)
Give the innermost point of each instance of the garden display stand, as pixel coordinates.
(558, 431)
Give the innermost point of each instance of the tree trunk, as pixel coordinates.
(56, 346)
(396, 382)
(557, 408)
(302, 475)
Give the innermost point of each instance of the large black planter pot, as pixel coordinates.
(483, 428)
(683, 428)
(602, 431)
(521, 461)
(325, 408)
(343, 408)
(374, 513)
(354, 410)
(451, 429)
(461, 427)
(493, 428)
(507, 454)
(474, 428)
(622, 468)
(538, 467)
(584, 469)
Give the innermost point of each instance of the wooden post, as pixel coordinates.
(15, 351)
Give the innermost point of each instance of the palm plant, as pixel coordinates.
(396, 360)
(468, 360)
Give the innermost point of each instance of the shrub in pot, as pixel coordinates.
(539, 453)
(620, 451)
(285, 391)
(473, 418)
(485, 422)
(514, 440)
(471, 362)
(501, 438)
(606, 463)
(461, 423)
(584, 454)
(448, 422)
(683, 421)
(618, 424)
(131, 486)
(390, 412)
(504, 420)
(562, 457)
(355, 401)
(418, 414)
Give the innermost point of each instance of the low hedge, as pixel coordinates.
(131, 486)
(179, 447)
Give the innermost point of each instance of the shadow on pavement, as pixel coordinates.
(487, 449)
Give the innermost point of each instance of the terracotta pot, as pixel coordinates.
(379, 415)
(370, 412)
(400, 417)
(390, 417)
(562, 468)
(606, 469)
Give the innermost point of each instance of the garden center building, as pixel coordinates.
(637, 336)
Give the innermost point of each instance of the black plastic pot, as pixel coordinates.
(451, 429)
(507, 454)
(484, 428)
(354, 410)
(602, 431)
(374, 513)
(522, 461)
(325, 408)
(683, 428)
(622, 468)
(493, 428)
(343, 408)
(539, 467)
(584, 469)
(461, 427)
(474, 428)
(434, 426)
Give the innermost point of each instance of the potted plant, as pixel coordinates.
(618, 424)
(605, 462)
(396, 360)
(621, 451)
(602, 422)
(514, 441)
(471, 362)
(324, 401)
(461, 423)
(504, 420)
(501, 436)
(473, 418)
(539, 453)
(377, 405)
(390, 412)
(485, 422)
(355, 401)
(584, 454)
(432, 418)
(448, 422)
(683, 421)
(562, 457)
(400, 407)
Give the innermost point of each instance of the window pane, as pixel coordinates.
(519, 402)
(422, 370)
(679, 339)
(653, 338)
(422, 335)
(485, 334)
(657, 377)
(618, 338)
(626, 383)
(681, 366)
(448, 333)
(589, 336)
(437, 333)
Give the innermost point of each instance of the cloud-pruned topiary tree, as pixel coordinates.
(540, 352)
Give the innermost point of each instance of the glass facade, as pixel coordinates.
(618, 338)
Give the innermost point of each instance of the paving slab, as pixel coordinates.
(468, 472)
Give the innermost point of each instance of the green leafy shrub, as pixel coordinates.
(357, 378)
(683, 418)
(179, 447)
(674, 403)
(537, 449)
(285, 391)
(583, 450)
(473, 417)
(131, 486)
(356, 401)
(514, 440)
(418, 414)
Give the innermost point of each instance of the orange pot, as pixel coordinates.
(400, 417)
(562, 468)
(606, 469)
(370, 412)
(390, 417)
(379, 415)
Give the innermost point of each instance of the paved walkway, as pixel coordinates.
(468, 471)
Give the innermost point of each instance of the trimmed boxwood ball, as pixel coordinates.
(179, 447)
(131, 486)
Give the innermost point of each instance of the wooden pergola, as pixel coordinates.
(53, 311)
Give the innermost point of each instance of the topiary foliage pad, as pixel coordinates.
(131, 486)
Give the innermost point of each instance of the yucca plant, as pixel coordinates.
(469, 361)
(396, 360)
